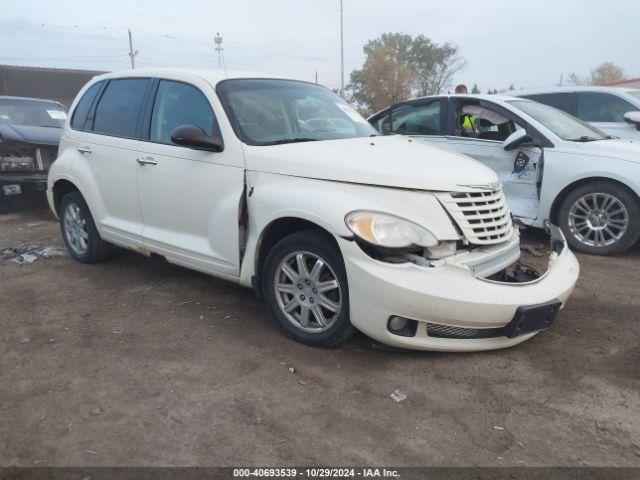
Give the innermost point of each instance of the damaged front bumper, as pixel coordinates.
(455, 304)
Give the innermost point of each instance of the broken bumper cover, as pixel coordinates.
(449, 297)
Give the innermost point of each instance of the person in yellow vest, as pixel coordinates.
(467, 122)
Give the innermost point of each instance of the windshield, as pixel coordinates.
(36, 113)
(271, 112)
(564, 125)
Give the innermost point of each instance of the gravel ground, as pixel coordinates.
(138, 362)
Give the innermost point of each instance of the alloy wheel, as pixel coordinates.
(308, 291)
(598, 219)
(75, 229)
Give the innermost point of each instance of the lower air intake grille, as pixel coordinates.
(445, 331)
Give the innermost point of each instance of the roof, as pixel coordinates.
(580, 88)
(212, 75)
(625, 81)
(49, 69)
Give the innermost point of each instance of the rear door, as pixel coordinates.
(478, 129)
(105, 135)
(189, 198)
(424, 119)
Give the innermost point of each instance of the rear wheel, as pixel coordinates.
(600, 218)
(79, 231)
(304, 285)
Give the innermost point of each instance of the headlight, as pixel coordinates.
(17, 164)
(387, 230)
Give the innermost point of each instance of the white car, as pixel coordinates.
(281, 186)
(614, 110)
(554, 167)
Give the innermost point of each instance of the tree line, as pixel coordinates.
(399, 66)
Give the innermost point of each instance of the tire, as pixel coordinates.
(611, 227)
(305, 290)
(86, 247)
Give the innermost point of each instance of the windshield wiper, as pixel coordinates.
(290, 140)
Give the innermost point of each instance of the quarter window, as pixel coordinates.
(178, 104)
(602, 107)
(119, 107)
(84, 105)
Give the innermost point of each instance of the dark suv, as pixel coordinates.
(29, 135)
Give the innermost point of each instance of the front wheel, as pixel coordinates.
(304, 285)
(600, 218)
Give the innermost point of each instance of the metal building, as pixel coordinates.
(59, 84)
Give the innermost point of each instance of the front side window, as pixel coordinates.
(176, 104)
(483, 123)
(565, 126)
(84, 105)
(602, 107)
(268, 112)
(36, 113)
(119, 107)
(412, 119)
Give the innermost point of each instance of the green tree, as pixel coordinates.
(397, 67)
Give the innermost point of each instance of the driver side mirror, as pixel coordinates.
(632, 117)
(518, 139)
(192, 136)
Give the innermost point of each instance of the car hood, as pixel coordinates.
(390, 161)
(30, 134)
(628, 150)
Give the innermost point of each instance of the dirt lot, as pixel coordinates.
(137, 362)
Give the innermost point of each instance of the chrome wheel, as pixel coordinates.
(598, 219)
(307, 291)
(75, 229)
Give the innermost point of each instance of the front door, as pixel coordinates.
(189, 198)
(479, 132)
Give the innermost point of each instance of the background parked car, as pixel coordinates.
(29, 135)
(553, 165)
(614, 110)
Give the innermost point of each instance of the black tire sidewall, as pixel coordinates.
(323, 246)
(630, 202)
(93, 252)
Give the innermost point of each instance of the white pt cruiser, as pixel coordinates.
(282, 186)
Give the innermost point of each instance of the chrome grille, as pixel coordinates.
(445, 331)
(483, 217)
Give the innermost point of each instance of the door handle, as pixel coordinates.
(84, 150)
(142, 161)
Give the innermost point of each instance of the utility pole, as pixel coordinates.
(218, 42)
(341, 51)
(132, 54)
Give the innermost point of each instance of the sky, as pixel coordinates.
(504, 42)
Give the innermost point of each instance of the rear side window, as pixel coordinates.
(561, 101)
(602, 107)
(178, 104)
(416, 119)
(84, 105)
(119, 107)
